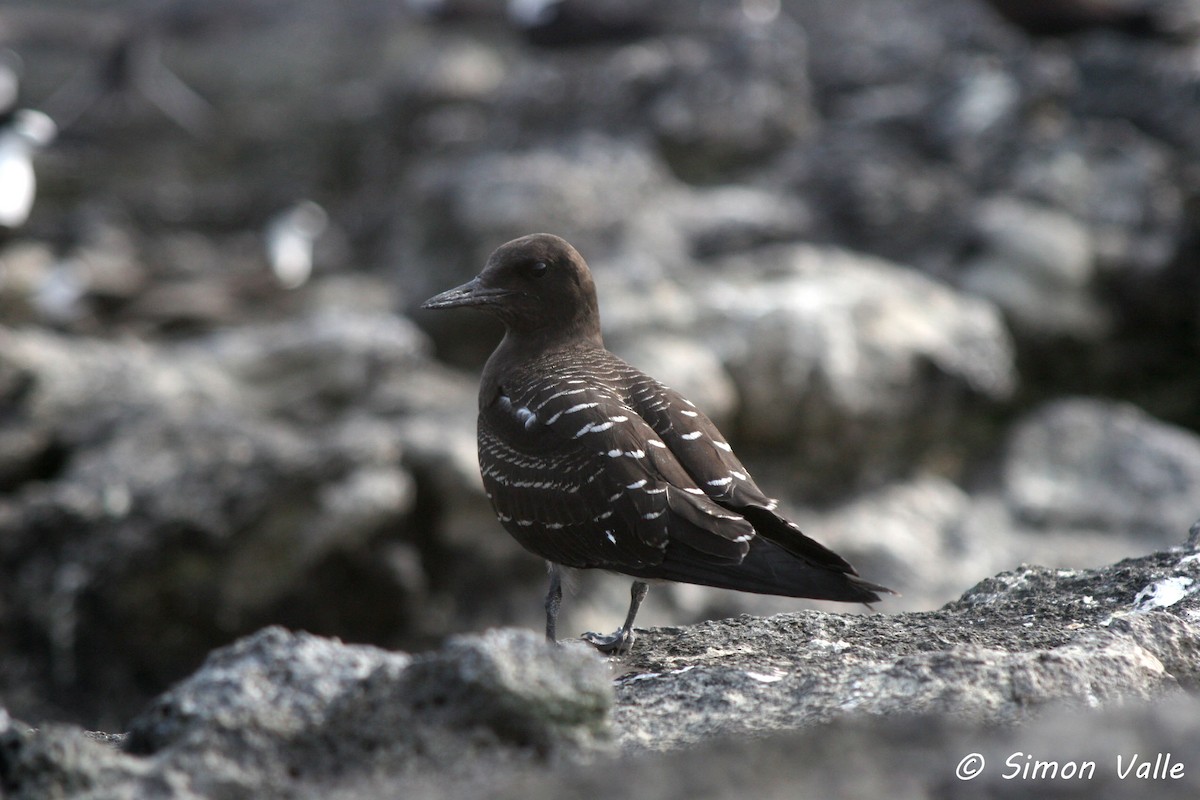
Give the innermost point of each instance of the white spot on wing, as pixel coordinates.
(580, 407)
(593, 427)
(720, 481)
(557, 395)
(637, 484)
(687, 413)
(723, 446)
(573, 409)
(692, 435)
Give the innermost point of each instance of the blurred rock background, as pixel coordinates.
(935, 274)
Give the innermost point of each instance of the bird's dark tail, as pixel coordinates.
(768, 569)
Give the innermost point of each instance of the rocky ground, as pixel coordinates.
(935, 276)
(1096, 664)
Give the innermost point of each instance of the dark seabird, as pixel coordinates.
(590, 463)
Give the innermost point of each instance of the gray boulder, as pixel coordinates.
(853, 365)
(1010, 646)
(166, 498)
(1093, 464)
(282, 714)
(1080, 482)
(279, 711)
(1039, 266)
(1066, 753)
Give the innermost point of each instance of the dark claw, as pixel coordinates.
(617, 643)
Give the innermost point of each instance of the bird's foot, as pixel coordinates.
(614, 644)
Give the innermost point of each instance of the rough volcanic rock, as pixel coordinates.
(1008, 647)
(282, 714)
(1063, 754)
(1085, 463)
(278, 711)
(835, 354)
(1039, 266)
(166, 486)
(166, 498)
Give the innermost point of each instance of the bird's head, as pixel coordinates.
(537, 285)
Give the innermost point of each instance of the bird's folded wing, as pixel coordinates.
(696, 443)
(703, 452)
(579, 478)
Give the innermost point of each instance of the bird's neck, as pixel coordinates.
(519, 348)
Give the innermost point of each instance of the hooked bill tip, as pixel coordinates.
(458, 296)
(469, 294)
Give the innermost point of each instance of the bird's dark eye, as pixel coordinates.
(537, 269)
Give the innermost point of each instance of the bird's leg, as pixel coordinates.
(553, 601)
(620, 641)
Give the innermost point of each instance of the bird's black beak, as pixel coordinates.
(472, 293)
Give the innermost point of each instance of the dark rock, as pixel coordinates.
(1039, 266)
(166, 487)
(907, 756)
(565, 23)
(283, 714)
(529, 693)
(61, 761)
(1133, 81)
(157, 482)
(831, 351)
(1122, 199)
(1082, 482)
(278, 710)
(1096, 465)
(303, 692)
(1006, 649)
(1144, 18)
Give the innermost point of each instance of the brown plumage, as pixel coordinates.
(590, 463)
